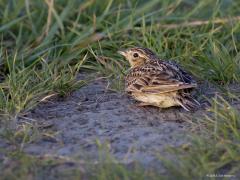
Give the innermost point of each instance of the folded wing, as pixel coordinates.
(158, 77)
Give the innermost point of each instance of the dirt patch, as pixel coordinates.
(93, 113)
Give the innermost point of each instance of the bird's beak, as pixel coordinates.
(122, 52)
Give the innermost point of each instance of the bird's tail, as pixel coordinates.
(188, 102)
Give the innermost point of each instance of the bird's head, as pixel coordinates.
(137, 55)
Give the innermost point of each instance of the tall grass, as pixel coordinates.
(68, 28)
(215, 150)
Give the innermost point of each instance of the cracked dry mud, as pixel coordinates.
(95, 113)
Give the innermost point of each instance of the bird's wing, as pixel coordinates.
(158, 77)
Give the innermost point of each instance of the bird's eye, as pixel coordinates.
(135, 55)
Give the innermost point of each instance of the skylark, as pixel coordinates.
(157, 82)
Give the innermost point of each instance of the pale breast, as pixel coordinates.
(160, 100)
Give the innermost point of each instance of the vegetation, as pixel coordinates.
(45, 44)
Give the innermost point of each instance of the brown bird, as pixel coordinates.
(156, 82)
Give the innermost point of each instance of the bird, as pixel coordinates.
(156, 82)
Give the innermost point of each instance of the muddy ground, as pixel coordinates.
(72, 126)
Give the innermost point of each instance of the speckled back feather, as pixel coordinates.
(158, 75)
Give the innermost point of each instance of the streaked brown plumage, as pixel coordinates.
(156, 82)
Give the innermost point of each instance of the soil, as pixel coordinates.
(94, 117)
(95, 114)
